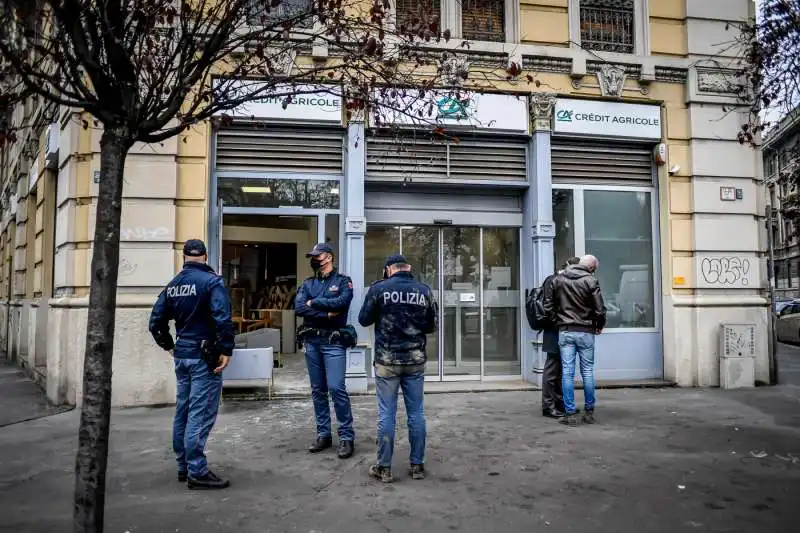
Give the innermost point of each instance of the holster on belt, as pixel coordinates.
(210, 353)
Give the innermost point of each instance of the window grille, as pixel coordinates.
(299, 10)
(411, 15)
(608, 25)
(483, 20)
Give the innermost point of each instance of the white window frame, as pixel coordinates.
(450, 19)
(641, 26)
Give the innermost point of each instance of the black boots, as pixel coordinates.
(321, 444)
(208, 482)
(346, 449)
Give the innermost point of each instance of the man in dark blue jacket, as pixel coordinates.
(197, 301)
(404, 312)
(323, 301)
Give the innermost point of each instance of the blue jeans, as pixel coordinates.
(572, 343)
(388, 380)
(326, 367)
(196, 408)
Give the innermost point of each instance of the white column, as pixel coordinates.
(539, 229)
(352, 194)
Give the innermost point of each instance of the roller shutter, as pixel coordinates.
(427, 159)
(604, 163)
(250, 149)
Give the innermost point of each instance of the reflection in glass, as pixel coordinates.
(271, 193)
(332, 232)
(619, 233)
(500, 301)
(564, 219)
(379, 243)
(462, 328)
(420, 247)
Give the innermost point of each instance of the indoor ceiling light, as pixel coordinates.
(263, 190)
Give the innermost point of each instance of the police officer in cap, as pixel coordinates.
(404, 312)
(323, 300)
(198, 302)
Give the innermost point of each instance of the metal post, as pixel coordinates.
(773, 342)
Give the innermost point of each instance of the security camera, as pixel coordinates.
(674, 169)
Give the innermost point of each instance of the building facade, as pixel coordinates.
(625, 148)
(780, 152)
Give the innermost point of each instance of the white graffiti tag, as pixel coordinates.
(144, 234)
(726, 271)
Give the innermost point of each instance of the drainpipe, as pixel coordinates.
(773, 343)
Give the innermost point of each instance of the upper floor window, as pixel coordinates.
(608, 25)
(412, 13)
(483, 20)
(297, 12)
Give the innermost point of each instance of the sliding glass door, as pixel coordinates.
(474, 273)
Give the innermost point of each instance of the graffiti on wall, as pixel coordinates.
(141, 233)
(726, 271)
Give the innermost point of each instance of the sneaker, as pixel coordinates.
(569, 420)
(183, 476)
(588, 416)
(417, 471)
(321, 444)
(381, 473)
(208, 482)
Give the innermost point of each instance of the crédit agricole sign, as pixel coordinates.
(607, 119)
(309, 103)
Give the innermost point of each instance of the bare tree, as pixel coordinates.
(146, 70)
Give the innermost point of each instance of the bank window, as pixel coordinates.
(273, 193)
(616, 227)
(412, 15)
(483, 20)
(608, 25)
(296, 13)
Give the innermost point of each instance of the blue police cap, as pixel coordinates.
(319, 249)
(394, 260)
(194, 248)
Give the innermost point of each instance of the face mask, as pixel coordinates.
(315, 263)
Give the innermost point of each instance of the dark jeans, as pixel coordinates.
(196, 408)
(326, 368)
(388, 381)
(552, 395)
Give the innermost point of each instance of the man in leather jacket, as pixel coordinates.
(552, 395)
(579, 312)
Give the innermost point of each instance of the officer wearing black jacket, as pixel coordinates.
(197, 301)
(404, 312)
(323, 301)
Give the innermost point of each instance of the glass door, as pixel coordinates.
(474, 273)
(460, 303)
(420, 246)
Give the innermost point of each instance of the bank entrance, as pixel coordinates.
(474, 273)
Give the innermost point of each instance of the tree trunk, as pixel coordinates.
(92, 457)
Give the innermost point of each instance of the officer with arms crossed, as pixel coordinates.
(197, 301)
(404, 312)
(323, 301)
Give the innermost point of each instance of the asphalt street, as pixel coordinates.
(659, 460)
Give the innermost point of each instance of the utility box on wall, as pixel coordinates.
(737, 350)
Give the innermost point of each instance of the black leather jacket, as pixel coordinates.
(577, 303)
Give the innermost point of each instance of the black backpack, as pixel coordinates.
(534, 309)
